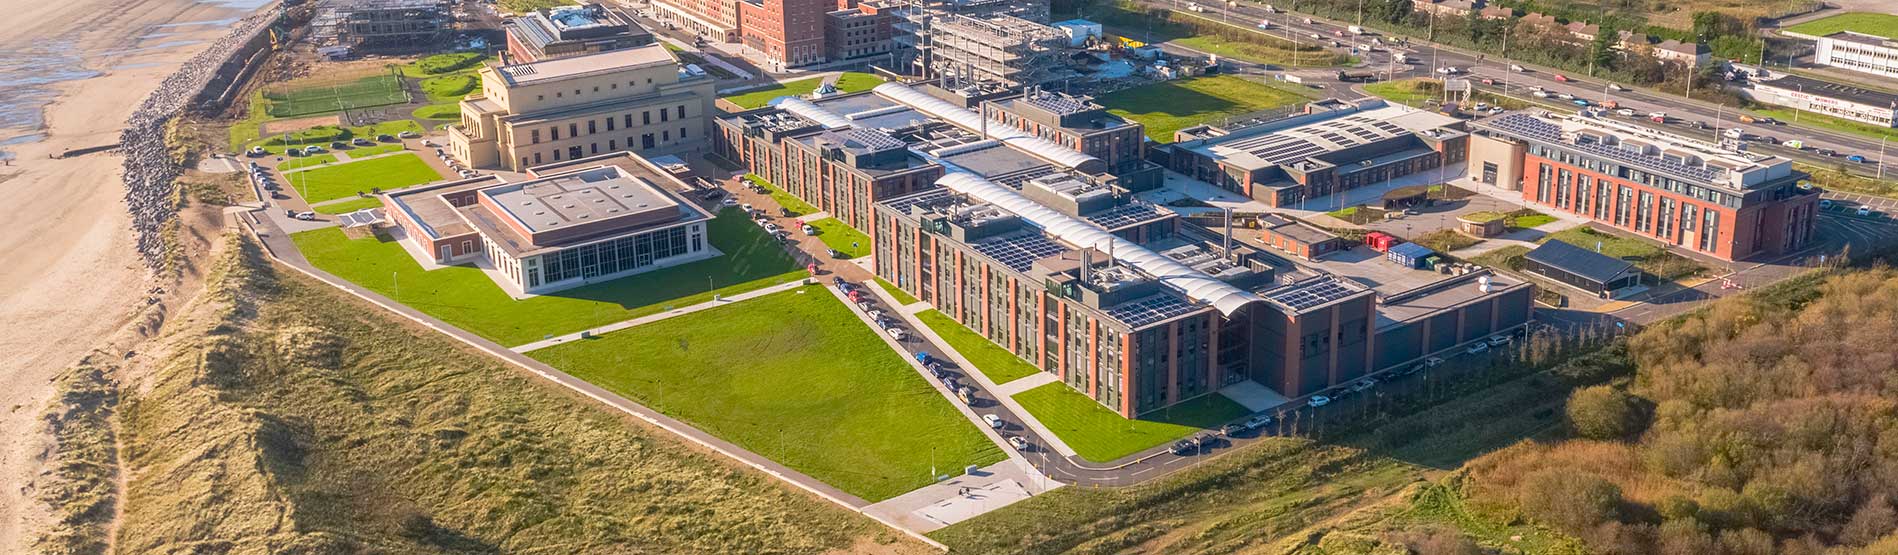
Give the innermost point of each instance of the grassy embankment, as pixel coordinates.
(1169, 106)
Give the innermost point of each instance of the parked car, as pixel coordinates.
(362, 141)
(728, 201)
(1230, 430)
(897, 333)
(312, 149)
(1825, 204)
(994, 421)
(1019, 443)
(1864, 210)
(1625, 112)
(747, 207)
(1616, 87)
(1318, 401)
(306, 216)
(1364, 385)
(808, 230)
(258, 151)
(1433, 362)
(1477, 349)
(1855, 158)
(1259, 421)
(411, 135)
(386, 138)
(1182, 447)
(1498, 340)
(1516, 68)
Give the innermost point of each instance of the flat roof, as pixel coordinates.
(587, 196)
(1835, 91)
(424, 204)
(1706, 163)
(1441, 295)
(1297, 230)
(585, 64)
(1345, 129)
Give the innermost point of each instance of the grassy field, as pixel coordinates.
(524, 6)
(306, 161)
(347, 179)
(444, 111)
(789, 201)
(306, 421)
(1250, 51)
(897, 293)
(367, 151)
(845, 239)
(1831, 179)
(465, 297)
(1209, 34)
(794, 376)
(1100, 435)
(448, 88)
(439, 64)
(992, 360)
(1828, 122)
(1173, 105)
(851, 81)
(1883, 25)
(347, 206)
(1526, 218)
(1646, 255)
(1445, 240)
(292, 100)
(1409, 92)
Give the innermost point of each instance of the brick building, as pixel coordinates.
(569, 31)
(1706, 198)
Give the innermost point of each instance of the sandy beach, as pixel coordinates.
(72, 276)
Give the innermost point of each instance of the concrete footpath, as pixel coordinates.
(279, 247)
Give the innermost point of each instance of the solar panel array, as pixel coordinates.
(1307, 296)
(1152, 309)
(872, 140)
(1019, 251)
(1060, 104)
(1527, 126)
(1015, 180)
(1124, 215)
(1295, 144)
(903, 204)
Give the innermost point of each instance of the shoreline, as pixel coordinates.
(75, 276)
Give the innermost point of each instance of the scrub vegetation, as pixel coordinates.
(287, 417)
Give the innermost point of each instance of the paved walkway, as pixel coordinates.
(964, 497)
(1019, 385)
(650, 318)
(279, 247)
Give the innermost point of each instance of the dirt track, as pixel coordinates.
(71, 276)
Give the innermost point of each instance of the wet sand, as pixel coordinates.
(70, 275)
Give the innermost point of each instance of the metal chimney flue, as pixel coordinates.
(1227, 247)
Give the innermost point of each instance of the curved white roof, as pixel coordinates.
(968, 119)
(1196, 284)
(813, 112)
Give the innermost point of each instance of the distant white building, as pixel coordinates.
(1858, 52)
(1824, 97)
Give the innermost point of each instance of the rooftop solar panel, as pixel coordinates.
(1310, 295)
(1125, 215)
(1152, 309)
(1019, 251)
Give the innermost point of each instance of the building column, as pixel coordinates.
(1336, 344)
(1173, 363)
(1061, 358)
(1014, 319)
(1127, 375)
(1215, 375)
(1094, 358)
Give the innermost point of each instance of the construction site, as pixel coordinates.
(353, 26)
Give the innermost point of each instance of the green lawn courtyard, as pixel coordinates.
(468, 299)
(1169, 106)
(1647, 255)
(1100, 435)
(347, 206)
(344, 180)
(992, 360)
(850, 81)
(1878, 24)
(796, 377)
(845, 239)
(1409, 92)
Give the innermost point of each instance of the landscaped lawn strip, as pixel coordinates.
(850, 81)
(1878, 24)
(1169, 106)
(347, 206)
(1101, 435)
(468, 299)
(992, 360)
(793, 376)
(1650, 257)
(789, 201)
(342, 180)
(306, 162)
(845, 239)
(897, 293)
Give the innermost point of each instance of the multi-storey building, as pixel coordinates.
(636, 99)
(713, 20)
(1321, 149)
(844, 153)
(363, 25)
(1075, 122)
(1709, 199)
(859, 32)
(1862, 52)
(1123, 301)
(582, 221)
(784, 33)
(571, 30)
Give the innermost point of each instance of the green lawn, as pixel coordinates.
(465, 297)
(851, 81)
(444, 111)
(793, 376)
(898, 293)
(367, 151)
(1527, 219)
(1409, 92)
(438, 64)
(342, 180)
(244, 135)
(1101, 435)
(789, 201)
(524, 6)
(447, 88)
(1173, 105)
(835, 234)
(347, 206)
(992, 360)
(1883, 25)
(1254, 52)
(1646, 255)
(1843, 125)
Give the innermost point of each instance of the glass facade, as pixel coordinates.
(615, 256)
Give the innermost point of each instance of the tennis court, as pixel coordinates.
(301, 98)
